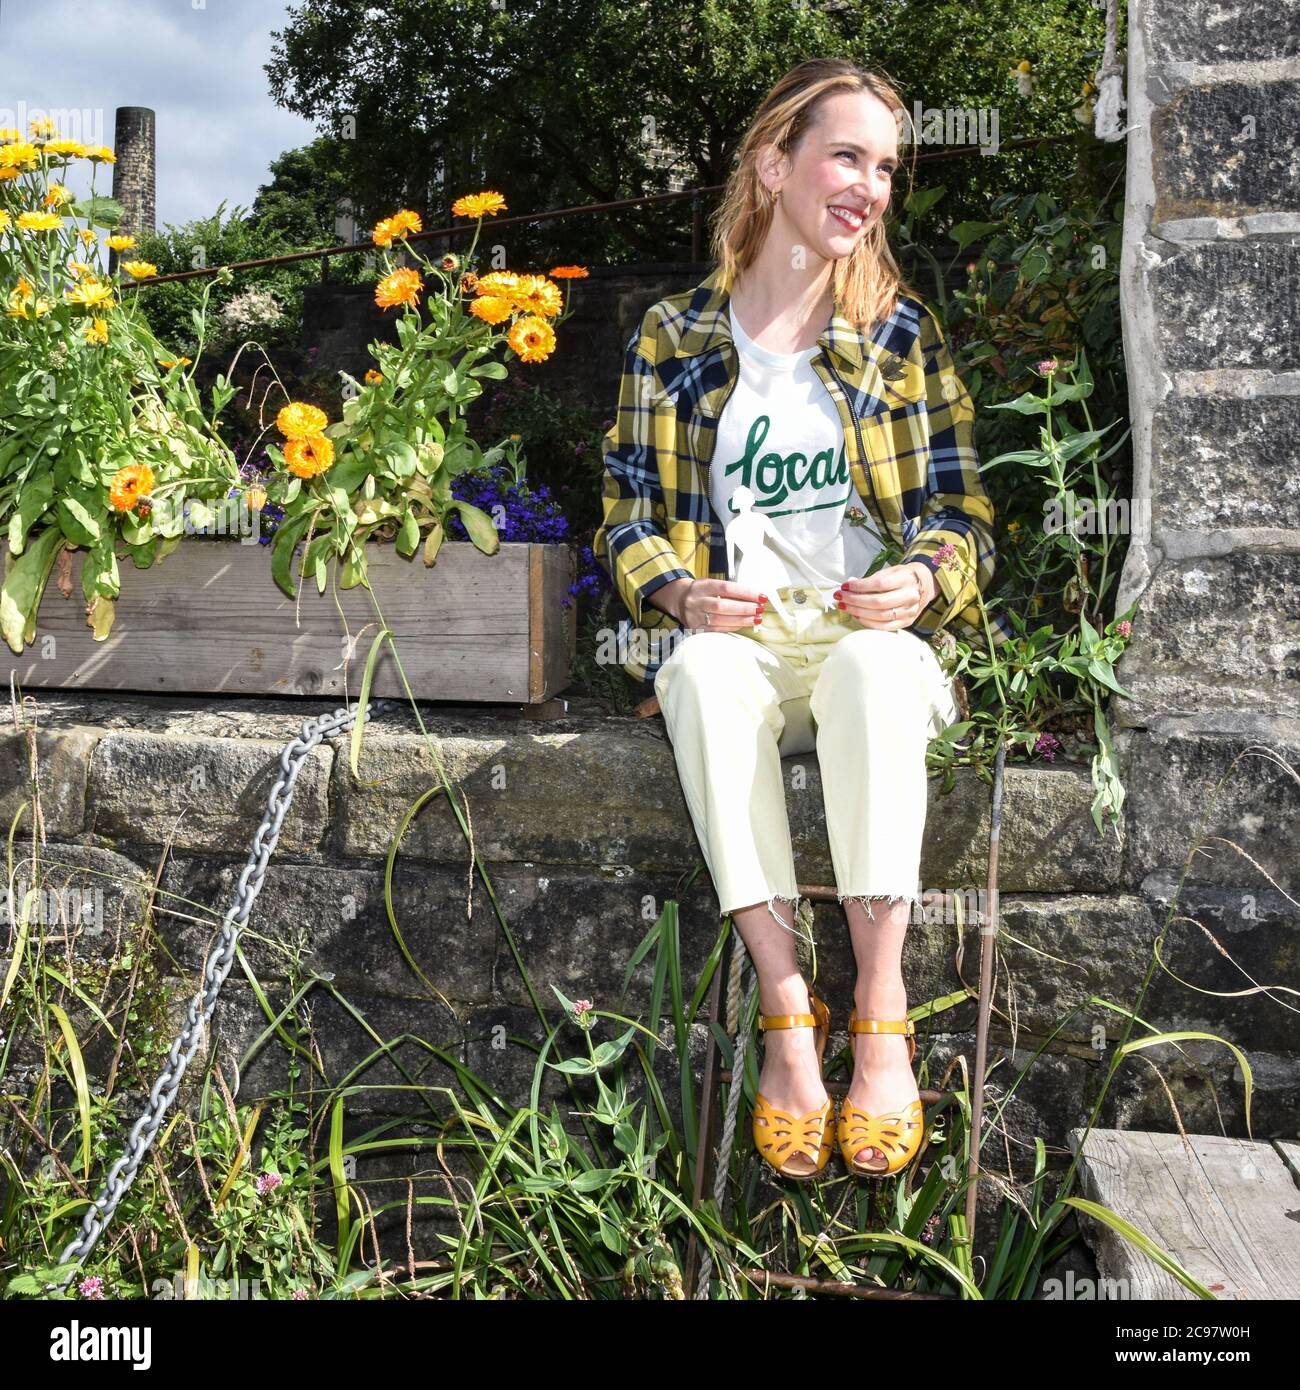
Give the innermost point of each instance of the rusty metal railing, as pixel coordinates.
(697, 195)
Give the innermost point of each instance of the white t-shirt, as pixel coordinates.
(780, 435)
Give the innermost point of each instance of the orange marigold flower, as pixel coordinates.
(499, 282)
(451, 261)
(568, 272)
(532, 338)
(373, 376)
(86, 235)
(127, 486)
(492, 308)
(401, 287)
(536, 294)
(309, 456)
(468, 282)
(256, 497)
(297, 420)
(478, 205)
(383, 232)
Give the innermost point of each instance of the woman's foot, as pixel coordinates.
(883, 1080)
(791, 1078)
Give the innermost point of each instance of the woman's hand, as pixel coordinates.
(892, 598)
(710, 605)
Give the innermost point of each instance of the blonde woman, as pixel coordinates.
(804, 369)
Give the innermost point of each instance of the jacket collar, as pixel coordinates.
(707, 324)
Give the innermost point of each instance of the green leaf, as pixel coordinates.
(966, 232)
(592, 1180)
(76, 522)
(99, 211)
(479, 526)
(408, 535)
(24, 583)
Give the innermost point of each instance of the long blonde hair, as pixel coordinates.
(868, 281)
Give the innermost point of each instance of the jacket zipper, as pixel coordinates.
(863, 461)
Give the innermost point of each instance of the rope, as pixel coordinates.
(1109, 82)
(739, 961)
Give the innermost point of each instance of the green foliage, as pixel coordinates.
(456, 95)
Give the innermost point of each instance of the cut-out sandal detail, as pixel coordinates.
(897, 1134)
(780, 1136)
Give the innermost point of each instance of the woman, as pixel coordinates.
(805, 378)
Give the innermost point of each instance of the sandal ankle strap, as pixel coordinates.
(881, 1025)
(769, 1021)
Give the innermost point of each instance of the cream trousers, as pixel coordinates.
(866, 701)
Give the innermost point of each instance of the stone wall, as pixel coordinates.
(1210, 281)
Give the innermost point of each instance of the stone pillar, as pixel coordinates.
(1210, 296)
(133, 174)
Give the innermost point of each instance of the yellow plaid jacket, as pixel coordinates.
(908, 440)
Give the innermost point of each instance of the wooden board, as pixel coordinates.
(1225, 1211)
(209, 618)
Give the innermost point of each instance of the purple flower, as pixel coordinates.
(92, 1287)
(267, 1182)
(1047, 746)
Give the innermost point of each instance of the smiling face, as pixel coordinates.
(840, 179)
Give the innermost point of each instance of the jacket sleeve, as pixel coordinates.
(631, 544)
(957, 510)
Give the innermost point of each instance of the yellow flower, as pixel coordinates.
(127, 486)
(19, 152)
(74, 148)
(8, 135)
(119, 243)
(7, 173)
(300, 421)
(100, 154)
(373, 376)
(86, 235)
(21, 296)
(384, 232)
(492, 308)
(56, 195)
(39, 221)
(1024, 65)
(5, 219)
(41, 125)
(256, 497)
(532, 338)
(97, 331)
(568, 272)
(89, 292)
(171, 362)
(401, 287)
(478, 205)
(140, 270)
(309, 456)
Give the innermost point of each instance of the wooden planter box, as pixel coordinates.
(210, 619)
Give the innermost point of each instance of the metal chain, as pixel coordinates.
(220, 958)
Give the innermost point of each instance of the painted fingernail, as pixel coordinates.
(758, 620)
(840, 604)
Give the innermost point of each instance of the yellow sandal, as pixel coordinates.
(898, 1133)
(779, 1136)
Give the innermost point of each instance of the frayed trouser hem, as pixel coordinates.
(866, 899)
(777, 897)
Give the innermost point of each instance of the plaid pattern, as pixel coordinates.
(896, 392)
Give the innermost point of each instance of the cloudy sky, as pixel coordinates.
(197, 63)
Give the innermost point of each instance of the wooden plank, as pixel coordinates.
(1222, 1208)
(209, 618)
